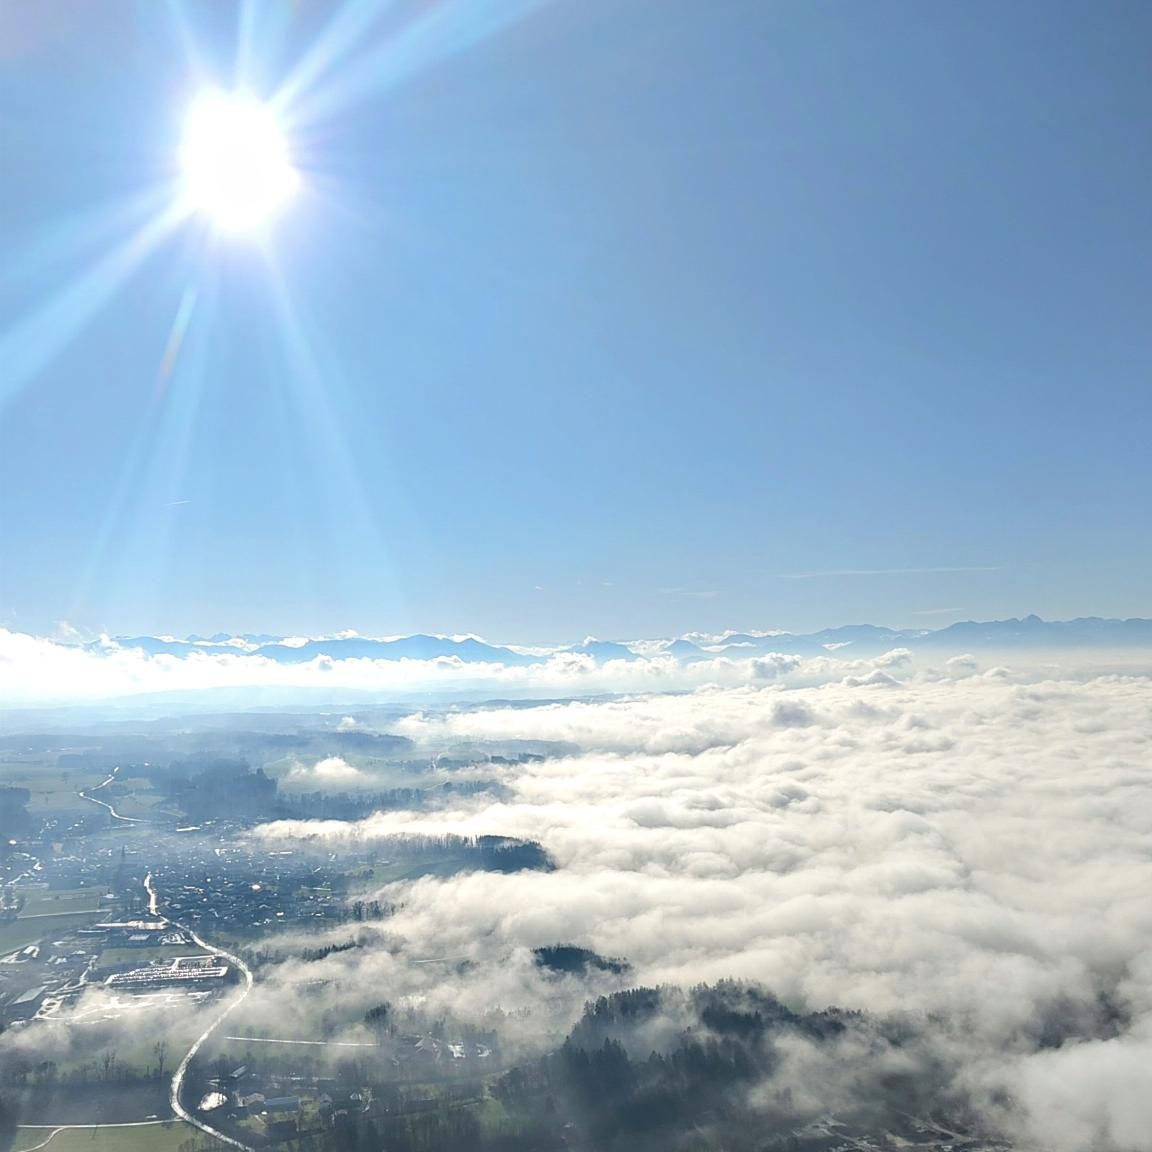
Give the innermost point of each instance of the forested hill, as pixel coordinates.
(726, 1066)
(644, 1069)
(730, 1067)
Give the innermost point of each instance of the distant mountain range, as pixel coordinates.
(854, 639)
(288, 651)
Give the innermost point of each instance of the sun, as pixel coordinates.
(235, 161)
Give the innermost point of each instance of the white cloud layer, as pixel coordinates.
(971, 845)
(38, 670)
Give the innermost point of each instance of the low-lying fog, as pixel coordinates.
(969, 846)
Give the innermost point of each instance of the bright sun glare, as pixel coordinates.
(237, 169)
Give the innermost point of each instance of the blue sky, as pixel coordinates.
(624, 317)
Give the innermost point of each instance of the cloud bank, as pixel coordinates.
(972, 847)
(36, 670)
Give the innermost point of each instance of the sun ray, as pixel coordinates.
(79, 235)
(193, 56)
(28, 347)
(176, 336)
(263, 34)
(443, 31)
(152, 472)
(345, 29)
(350, 59)
(316, 396)
(245, 42)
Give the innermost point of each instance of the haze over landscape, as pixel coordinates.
(574, 576)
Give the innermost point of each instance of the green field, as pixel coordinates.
(58, 803)
(48, 903)
(166, 1137)
(22, 932)
(139, 799)
(441, 866)
(54, 790)
(51, 789)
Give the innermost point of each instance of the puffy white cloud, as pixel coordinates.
(333, 773)
(773, 665)
(1096, 1094)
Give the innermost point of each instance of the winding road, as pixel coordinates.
(181, 1072)
(83, 794)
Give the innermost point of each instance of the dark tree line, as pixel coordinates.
(207, 789)
(576, 961)
(357, 805)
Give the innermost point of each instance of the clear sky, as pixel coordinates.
(624, 317)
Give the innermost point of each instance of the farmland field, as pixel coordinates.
(18, 933)
(51, 903)
(158, 1137)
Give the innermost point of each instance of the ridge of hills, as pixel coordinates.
(1014, 633)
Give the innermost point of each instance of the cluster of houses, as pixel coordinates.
(426, 1051)
(243, 1095)
(234, 885)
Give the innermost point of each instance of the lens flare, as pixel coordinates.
(236, 164)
